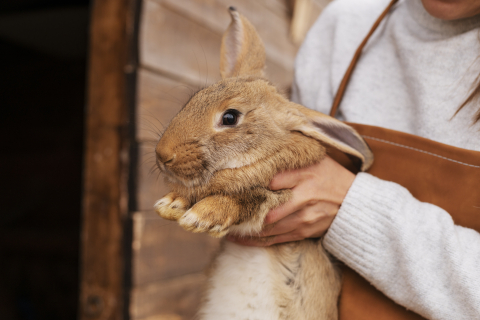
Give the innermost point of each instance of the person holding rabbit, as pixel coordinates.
(418, 74)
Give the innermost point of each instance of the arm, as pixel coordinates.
(410, 250)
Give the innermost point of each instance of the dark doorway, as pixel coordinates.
(43, 46)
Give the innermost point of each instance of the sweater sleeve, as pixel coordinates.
(409, 250)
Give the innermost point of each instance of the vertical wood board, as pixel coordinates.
(273, 28)
(173, 298)
(150, 185)
(159, 98)
(162, 250)
(105, 197)
(178, 47)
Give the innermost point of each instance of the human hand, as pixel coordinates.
(318, 191)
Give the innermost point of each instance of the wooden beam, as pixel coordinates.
(105, 199)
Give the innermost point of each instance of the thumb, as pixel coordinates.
(285, 180)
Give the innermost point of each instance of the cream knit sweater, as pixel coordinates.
(415, 72)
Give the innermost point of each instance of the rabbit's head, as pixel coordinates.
(243, 118)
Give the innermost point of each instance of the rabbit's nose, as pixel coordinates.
(165, 154)
(166, 158)
(168, 161)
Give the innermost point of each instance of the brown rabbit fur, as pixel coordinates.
(219, 155)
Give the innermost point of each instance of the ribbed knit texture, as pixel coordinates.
(414, 74)
(410, 250)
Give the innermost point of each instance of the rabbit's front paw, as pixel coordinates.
(171, 207)
(214, 214)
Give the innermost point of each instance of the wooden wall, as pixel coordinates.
(179, 53)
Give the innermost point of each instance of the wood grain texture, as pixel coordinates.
(179, 297)
(304, 15)
(149, 181)
(178, 47)
(181, 39)
(162, 250)
(159, 98)
(272, 28)
(106, 164)
(280, 7)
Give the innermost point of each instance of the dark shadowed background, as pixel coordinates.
(43, 47)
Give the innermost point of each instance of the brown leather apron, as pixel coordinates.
(443, 175)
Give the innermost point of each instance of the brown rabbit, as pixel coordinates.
(219, 154)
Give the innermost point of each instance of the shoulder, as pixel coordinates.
(328, 49)
(352, 12)
(355, 7)
(344, 22)
(341, 27)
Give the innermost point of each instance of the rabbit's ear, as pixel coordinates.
(334, 133)
(242, 52)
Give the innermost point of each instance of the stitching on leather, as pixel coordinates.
(420, 150)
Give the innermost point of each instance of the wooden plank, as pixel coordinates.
(305, 13)
(181, 46)
(273, 28)
(149, 181)
(106, 163)
(279, 76)
(178, 47)
(163, 250)
(279, 7)
(158, 100)
(178, 298)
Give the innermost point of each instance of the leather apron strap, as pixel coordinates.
(356, 56)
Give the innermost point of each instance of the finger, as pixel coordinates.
(287, 224)
(294, 204)
(295, 235)
(284, 238)
(285, 180)
(312, 220)
(265, 241)
(251, 241)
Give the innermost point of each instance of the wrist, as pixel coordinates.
(339, 180)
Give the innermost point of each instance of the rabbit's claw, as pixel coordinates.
(208, 216)
(171, 207)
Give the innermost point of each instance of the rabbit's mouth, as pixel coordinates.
(185, 164)
(190, 174)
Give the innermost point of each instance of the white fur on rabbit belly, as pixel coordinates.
(241, 286)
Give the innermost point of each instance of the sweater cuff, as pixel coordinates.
(360, 230)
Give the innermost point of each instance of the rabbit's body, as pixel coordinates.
(286, 281)
(219, 155)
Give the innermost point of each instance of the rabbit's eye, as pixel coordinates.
(230, 118)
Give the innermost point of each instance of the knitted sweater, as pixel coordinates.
(415, 72)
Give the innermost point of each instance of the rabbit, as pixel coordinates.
(218, 156)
